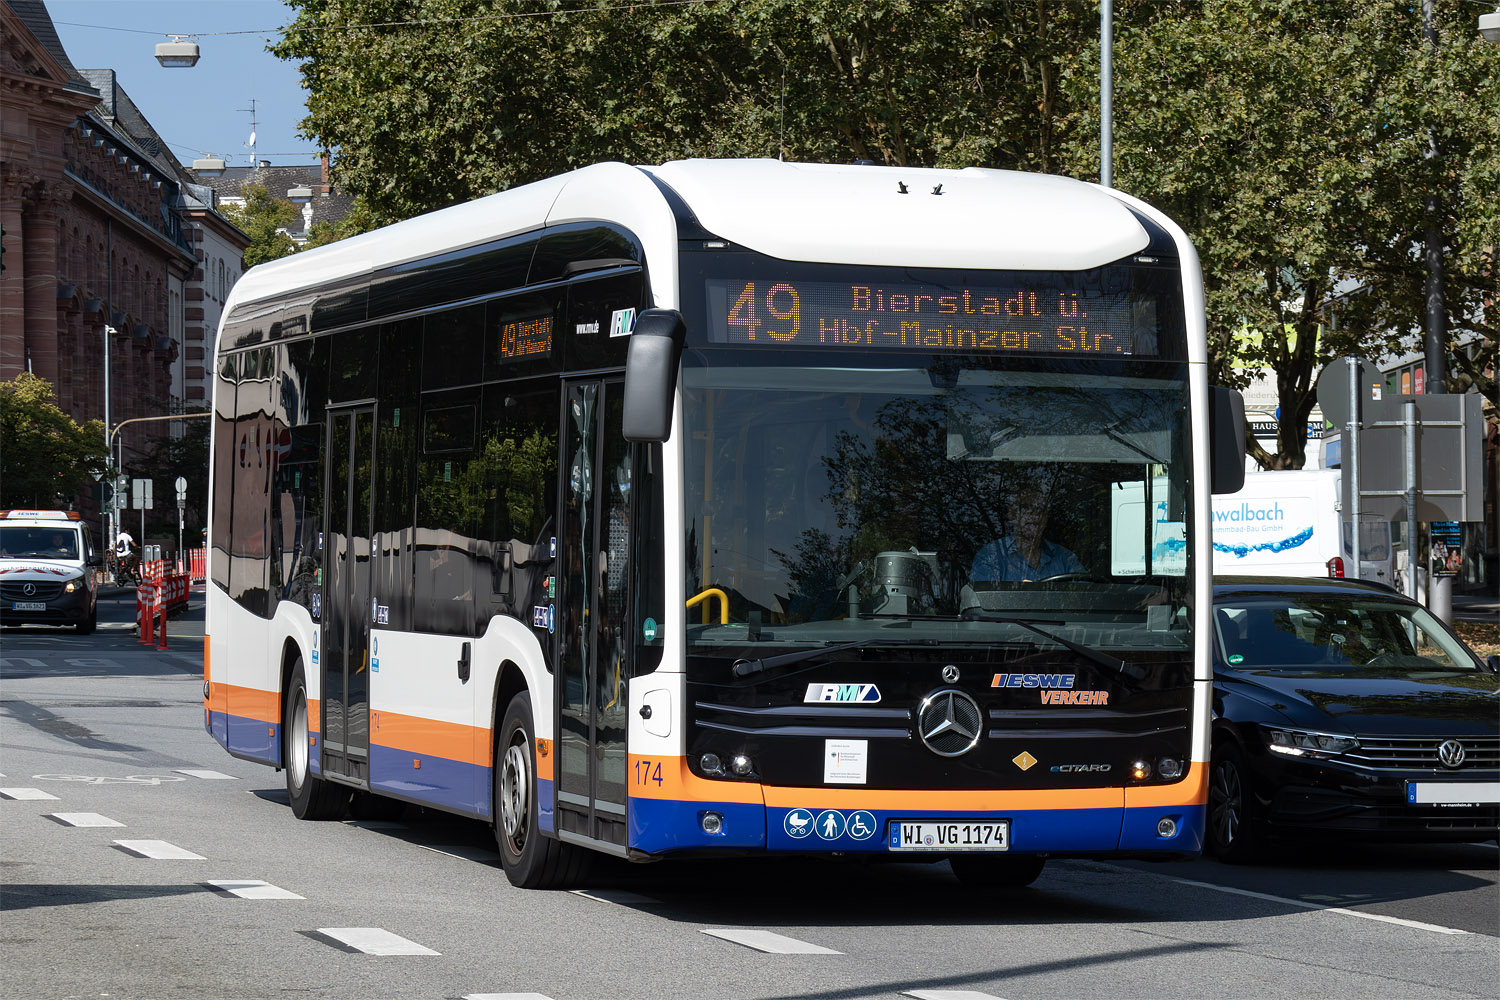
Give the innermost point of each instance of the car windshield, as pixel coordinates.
(31, 542)
(1319, 632)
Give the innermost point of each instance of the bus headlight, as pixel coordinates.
(712, 823)
(1169, 768)
(741, 765)
(1140, 770)
(711, 765)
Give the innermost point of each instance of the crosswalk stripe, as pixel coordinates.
(158, 850)
(195, 772)
(949, 995)
(85, 819)
(375, 941)
(250, 888)
(25, 793)
(776, 944)
(506, 996)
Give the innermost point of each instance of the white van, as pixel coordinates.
(1290, 524)
(48, 570)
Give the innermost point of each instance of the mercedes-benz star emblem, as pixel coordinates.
(949, 722)
(1450, 753)
(29, 590)
(950, 674)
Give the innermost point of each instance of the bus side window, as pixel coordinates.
(519, 449)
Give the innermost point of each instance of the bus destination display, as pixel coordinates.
(530, 337)
(1020, 320)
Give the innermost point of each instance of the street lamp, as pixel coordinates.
(177, 54)
(1489, 26)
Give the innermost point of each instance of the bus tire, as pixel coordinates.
(311, 796)
(1232, 815)
(992, 871)
(531, 859)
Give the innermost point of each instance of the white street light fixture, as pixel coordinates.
(177, 54)
(1489, 26)
(210, 165)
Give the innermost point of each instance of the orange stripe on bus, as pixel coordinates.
(414, 734)
(653, 777)
(247, 703)
(1191, 791)
(544, 758)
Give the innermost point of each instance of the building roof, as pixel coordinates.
(33, 14)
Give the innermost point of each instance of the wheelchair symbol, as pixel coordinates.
(861, 825)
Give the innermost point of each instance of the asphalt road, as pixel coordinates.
(112, 732)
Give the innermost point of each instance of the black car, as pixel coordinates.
(1346, 710)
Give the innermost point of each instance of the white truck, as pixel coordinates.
(1290, 524)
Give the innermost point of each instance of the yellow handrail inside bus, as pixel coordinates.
(723, 604)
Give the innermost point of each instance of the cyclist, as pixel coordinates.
(127, 558)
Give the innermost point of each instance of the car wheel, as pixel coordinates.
(991, 872)
(87, 626)
(531, 860)
(311, 796)
(1231, 808)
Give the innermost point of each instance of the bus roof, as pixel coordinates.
(911, 216)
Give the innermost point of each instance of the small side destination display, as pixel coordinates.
(1019, 320)
(529, 337)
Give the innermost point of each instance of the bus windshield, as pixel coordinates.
(936, 491)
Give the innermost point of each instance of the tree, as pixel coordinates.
(46, 458)
(447, 100)
(264, 219)
(1290, 138)
(186, 456)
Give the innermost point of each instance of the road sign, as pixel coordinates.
(140, 494)
(181, 485)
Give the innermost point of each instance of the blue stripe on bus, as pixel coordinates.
(659, 826)
(546, 819)
(252, 738)
(451, 784)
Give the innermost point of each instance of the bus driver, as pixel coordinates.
(1023, 553)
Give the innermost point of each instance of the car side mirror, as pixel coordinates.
(95, 560)
(1493, 662)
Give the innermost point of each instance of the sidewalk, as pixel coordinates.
(1477, 606)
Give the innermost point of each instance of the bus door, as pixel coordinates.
(347, 608)
(593, 644)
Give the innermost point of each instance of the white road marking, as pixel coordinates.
(158, 850)
(1285, 901)
(464, 852)
(617, 896)
(250, 888)
(776, 944)
(949, 995)
(195, 772)
(85, 819)
(506, 996)
(375, 941)
(25, 793)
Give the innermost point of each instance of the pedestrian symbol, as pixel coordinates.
(830, 824)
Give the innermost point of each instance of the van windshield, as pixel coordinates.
(32, 542)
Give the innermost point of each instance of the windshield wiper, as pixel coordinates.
(1114, 663)
(744, 668)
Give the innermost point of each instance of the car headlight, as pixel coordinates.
(1307, 743)
(72, 585)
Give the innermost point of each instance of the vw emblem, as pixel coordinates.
(1450, 753)
(950, 674)
(949, 722)
(29, 590)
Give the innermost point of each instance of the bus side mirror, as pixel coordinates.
(651, 374)
(1226, 426)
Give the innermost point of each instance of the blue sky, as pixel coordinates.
(205, 108)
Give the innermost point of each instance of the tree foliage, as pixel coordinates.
(46, 458)
(264, 217)
(1289, 137)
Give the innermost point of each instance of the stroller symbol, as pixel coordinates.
(798, 823)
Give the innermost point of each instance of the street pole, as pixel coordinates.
(1351, 440)
(1106, 93)
(1439, 589)
(1409, 420)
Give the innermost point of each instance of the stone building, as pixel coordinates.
(104, 288)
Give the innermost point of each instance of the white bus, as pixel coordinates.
(698, 509)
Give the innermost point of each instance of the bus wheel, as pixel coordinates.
(992, 872)
(311, 797)
(531, 859)
(1231, 808)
